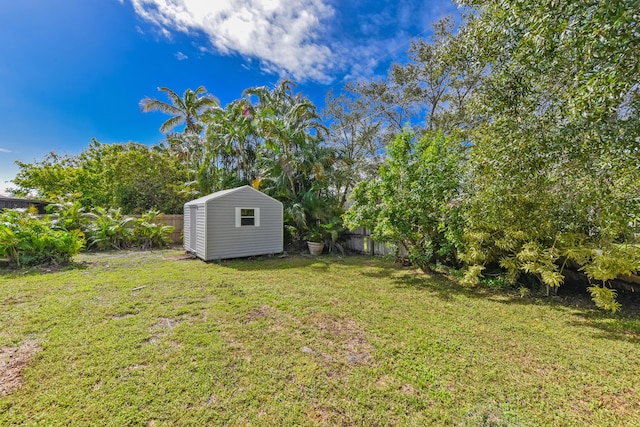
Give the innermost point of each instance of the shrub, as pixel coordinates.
(27, 240)
(416, 199)
(69, 215)
(109, 229)
(147, 234)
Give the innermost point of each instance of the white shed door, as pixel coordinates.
(193, 227)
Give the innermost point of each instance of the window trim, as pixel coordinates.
(256, 217)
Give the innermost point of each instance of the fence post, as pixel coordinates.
(372, 250)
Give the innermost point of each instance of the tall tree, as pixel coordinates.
(431, 91)
(288, 125)
(354, 132)
(415, 198)
(230, 148)
(131, 176)
(294, 165)
(557, 141)
(185, 109)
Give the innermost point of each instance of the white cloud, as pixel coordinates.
(285, 35)
(315, 40)
(4, 150)
(181, 56)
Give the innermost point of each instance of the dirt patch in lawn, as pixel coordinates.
(258, 313)
(160, 328)
(164, 322)
(180, 257)
(14, 301)
(12, 361)
(344, 339)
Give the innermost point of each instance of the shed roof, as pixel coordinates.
(223, 193)
(20, 199)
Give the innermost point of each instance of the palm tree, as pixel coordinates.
(186, 109)
(294, 165)
(285, 120)
(288, 125)
(231, 138)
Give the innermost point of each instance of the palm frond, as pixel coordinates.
(171, 123)
(150, 104)
(173, 96)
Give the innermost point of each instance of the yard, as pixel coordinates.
(151, 339)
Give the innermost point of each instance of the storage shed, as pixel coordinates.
(233, 223)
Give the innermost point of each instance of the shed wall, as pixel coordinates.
(186, 240)
(225, 240)
(201, 221)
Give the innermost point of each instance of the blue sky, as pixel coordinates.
(71, 70)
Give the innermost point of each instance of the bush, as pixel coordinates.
(147, 234)
(27, 240)
(69, 215)
(109, 229)
(416, 199)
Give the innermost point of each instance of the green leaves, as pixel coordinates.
(614, 261)
(556, 144)
(27, 240)
(604, 298)
(186, 109)
(110, 229)
(131, 176)
(414, 201)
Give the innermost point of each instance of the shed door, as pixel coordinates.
(193, 227)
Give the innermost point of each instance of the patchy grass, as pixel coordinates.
(147, 338)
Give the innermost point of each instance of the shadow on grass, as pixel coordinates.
(623, 326)
(15, 271)
(276, 262)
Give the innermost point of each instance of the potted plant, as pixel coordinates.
(313, 236)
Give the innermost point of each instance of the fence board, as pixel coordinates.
(176, 221)
(360, 241)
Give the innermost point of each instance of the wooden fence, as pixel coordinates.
(176, 221)
(360, 241)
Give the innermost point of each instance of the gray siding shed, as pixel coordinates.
(233, 223)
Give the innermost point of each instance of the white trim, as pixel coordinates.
(206, 239)
(192, 212)
(256, 216)
(238, 219)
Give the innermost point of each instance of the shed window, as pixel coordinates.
(247, 217)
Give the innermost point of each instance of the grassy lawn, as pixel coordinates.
(147, 339)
